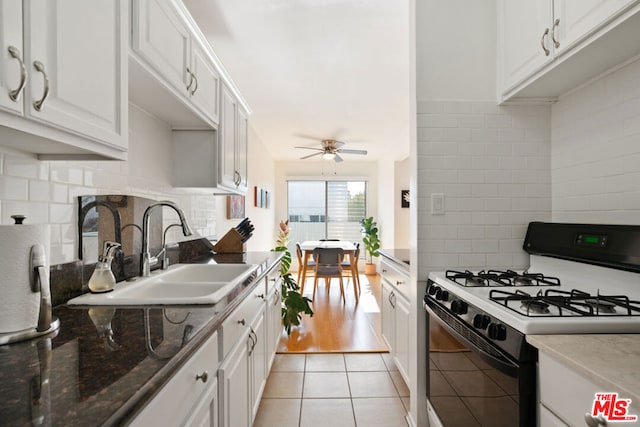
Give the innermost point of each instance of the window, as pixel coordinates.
(326, 209)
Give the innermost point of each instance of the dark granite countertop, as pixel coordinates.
(79, 377)
(401, 256)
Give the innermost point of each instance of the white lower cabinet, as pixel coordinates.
(233, 377)
(274, 313)
(257, 361)
(395, 319)
(190, 397)
(566, 396)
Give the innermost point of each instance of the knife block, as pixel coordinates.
(230, 243)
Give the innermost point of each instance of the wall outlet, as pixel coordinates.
(437, 203)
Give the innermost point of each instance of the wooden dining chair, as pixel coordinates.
(328, 265)
(350, 270)
(310, 267)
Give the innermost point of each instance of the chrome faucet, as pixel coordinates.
(146, 260)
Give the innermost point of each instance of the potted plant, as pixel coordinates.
(371, 242)
(293, 304)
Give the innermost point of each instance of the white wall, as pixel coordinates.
(456, 54)
(595, 137)
(46, 191)
(386, 203)
(262, 175)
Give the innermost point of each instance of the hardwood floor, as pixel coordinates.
(337, 326)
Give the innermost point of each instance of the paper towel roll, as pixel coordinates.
(19, 305)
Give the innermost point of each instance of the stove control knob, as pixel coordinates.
(433, 289)
(481, 321)
(442, 295)
(459, 307)
(497, 331)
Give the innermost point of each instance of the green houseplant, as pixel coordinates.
(293, 304)
(371, 242)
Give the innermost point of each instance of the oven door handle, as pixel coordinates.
(502, 363)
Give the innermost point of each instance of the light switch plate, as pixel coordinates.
(437, 203)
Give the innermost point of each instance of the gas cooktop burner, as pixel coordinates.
(494, 278)
(557, 303)
(534, 307)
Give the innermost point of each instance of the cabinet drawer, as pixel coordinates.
(173, 403)
(239, 320)
(273, 278)
(568, 394)
(394, 276)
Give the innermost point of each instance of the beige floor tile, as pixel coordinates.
(288, 363)
(325, 363)
(406, 402)
(278, 412)
(364, 362)
(379, 412)
(325, 384)
(284, 385)
(401, 386)
(321, 412)
(388, 360)
(371, 384)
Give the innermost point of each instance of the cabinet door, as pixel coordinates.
(233, 380)
(521, 28)
(402, 336)
(205, 413)
(205, 90)
(388, 321)
(577, 18)
(77, 66)
(258, 361)
(227, 174)
(162, 38)
(12, 56)
(242, 148)
(274, 315)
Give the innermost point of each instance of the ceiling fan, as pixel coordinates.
(331, 150)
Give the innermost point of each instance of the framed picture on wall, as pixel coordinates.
(404, 198)
(235, 207)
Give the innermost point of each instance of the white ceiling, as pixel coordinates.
(320, 68)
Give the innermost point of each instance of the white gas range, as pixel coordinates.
(581, 279)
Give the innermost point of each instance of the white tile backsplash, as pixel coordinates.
(46, 192)
(595, 150)
(493, 165)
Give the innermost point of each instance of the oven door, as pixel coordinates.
(471, 381)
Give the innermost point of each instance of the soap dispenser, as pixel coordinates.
(102, 279)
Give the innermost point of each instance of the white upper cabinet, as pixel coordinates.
(548, 47)
(64, 75)
(165, 39)
(233, 144)
(13, 72)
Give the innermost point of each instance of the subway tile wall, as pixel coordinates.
(492, 163)
(46, 191)
(595, 148)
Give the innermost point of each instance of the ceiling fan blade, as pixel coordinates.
(347, 151)
(337, 158)
(337, 143)
(311, 155)
(310, 148)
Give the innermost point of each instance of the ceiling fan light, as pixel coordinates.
(328, 156)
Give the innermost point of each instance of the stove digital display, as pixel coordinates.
(591, 240)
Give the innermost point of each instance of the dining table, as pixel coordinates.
(308, 246)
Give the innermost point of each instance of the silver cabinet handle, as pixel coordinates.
(195, 88)
(39, 66)
(556, 43)
(237, 178)
(15, 54)
(544, 48)
(592, 421)
(392, 297)
(399, 282)
(261, 296)
(190, 79)
(204, 377)
(242, 322)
